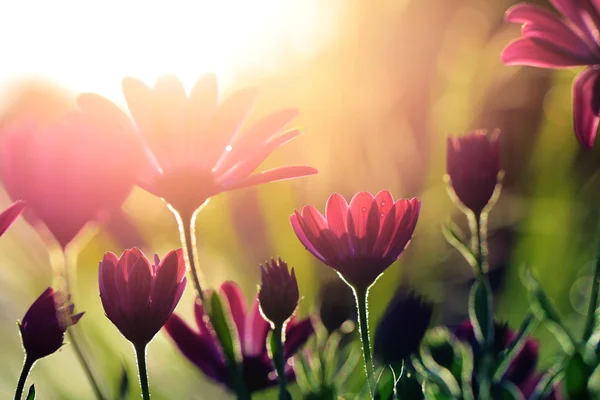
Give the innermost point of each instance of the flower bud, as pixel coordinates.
(278, 294)
(44, 325)
(473, 165)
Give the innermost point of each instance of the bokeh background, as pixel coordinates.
(380, 85)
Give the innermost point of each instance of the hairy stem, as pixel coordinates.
(361, 295)
(23, 378)
(591, 314)
(140, 353)
(278, 361)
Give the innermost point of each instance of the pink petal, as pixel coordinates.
(9, 215)
(363, 223)
(585, 121)
(254, 343)
(337, 214)
(537, 53)
(237, 305)
(294, 220)
(138, 288)
(574, 11)
(274, 175)
(201, 109)
(170, 107)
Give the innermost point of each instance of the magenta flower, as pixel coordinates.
(278, 294)
(44, 325)
(139, 297)
(361, 240)
(74, 171)
(202, 347)
(9, 215)
(198, 147)
(558, 41)
(473, 165)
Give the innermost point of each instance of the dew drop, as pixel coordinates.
(228, 148)
(382, 215)
(364, 209)
(383, 204)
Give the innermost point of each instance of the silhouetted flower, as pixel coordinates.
(278, 294)
(402, 327)
(361, 240)
(202, 347)
(139, 297)
(559, 41)
(522, 368)
(197, 147)
(9, 215)
(473, 165)
(44, 324)
(337, 305)
(73, 171)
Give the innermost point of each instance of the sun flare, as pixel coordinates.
(92, 48)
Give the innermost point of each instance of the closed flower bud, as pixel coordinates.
(473, 165)
(402, 327)
(139, 297)
(278, 294)
(44, 325)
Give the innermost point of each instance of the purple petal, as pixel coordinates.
(585, 121)
(296, 335)
(255, 340)
(9, 215)
(237, 305)
(539, 53)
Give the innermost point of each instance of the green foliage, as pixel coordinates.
(31, 393)
(480, 311)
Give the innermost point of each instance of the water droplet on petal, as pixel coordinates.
(383, 204)
(228, 148)
(364, 209)
(382, 215)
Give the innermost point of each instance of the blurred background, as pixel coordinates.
(380, 85)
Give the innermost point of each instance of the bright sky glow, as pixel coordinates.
(91, 45)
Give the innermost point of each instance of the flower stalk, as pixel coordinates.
(361, 296)
(140, 353)
(27, 365)
(277, 339)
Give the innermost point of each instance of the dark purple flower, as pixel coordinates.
(197, 143)
(558, 41)
(522, 368)
(202, 347)
(44, 325)
(337, 304)
(473, 165)
(278, 294)
(139, 297)
(9, 215)
(402, 327)
(361, 240)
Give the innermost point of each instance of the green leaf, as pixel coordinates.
(441, 377)
(31, 393)
(123, 392)
(506, 391)
(456, 238)
(504, 359)
(222, 327)
(594, 383)
(304, 378)
(546, 383)
(480, 311)
(330, 356)
(576, 376)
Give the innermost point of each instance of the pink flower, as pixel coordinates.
(9, 215)
(202, 347)
(278, 294)
(139, 297)
(361, 240)
(473, 165)
(197, 144)
(558, 41)
(74, 171)
(44, 325)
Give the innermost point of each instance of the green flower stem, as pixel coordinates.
(278, 361)
(187, 234)
(527, 326)
(361, 294)
(140, 353)
(591, 315)
(23, 378)
(69, 265)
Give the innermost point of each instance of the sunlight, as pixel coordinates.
(91, 48)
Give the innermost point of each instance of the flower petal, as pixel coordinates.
(297, 227)
(584, 119)
(202, 105)
(9, 215)
(255, 339)
(337, 214)
(538, 53)
(296, 335)
(169, 107)
(363, 223)
(274, 175)
(237, 305)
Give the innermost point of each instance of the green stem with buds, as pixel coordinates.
(278, 361)
(140, 353)
(360, 295)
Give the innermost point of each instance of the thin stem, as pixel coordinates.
(140, 353)
(527, 326)
(23, 378)
(187, 235)
(69, 265)
(591, 315)
(361, 295)
(278, 361)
